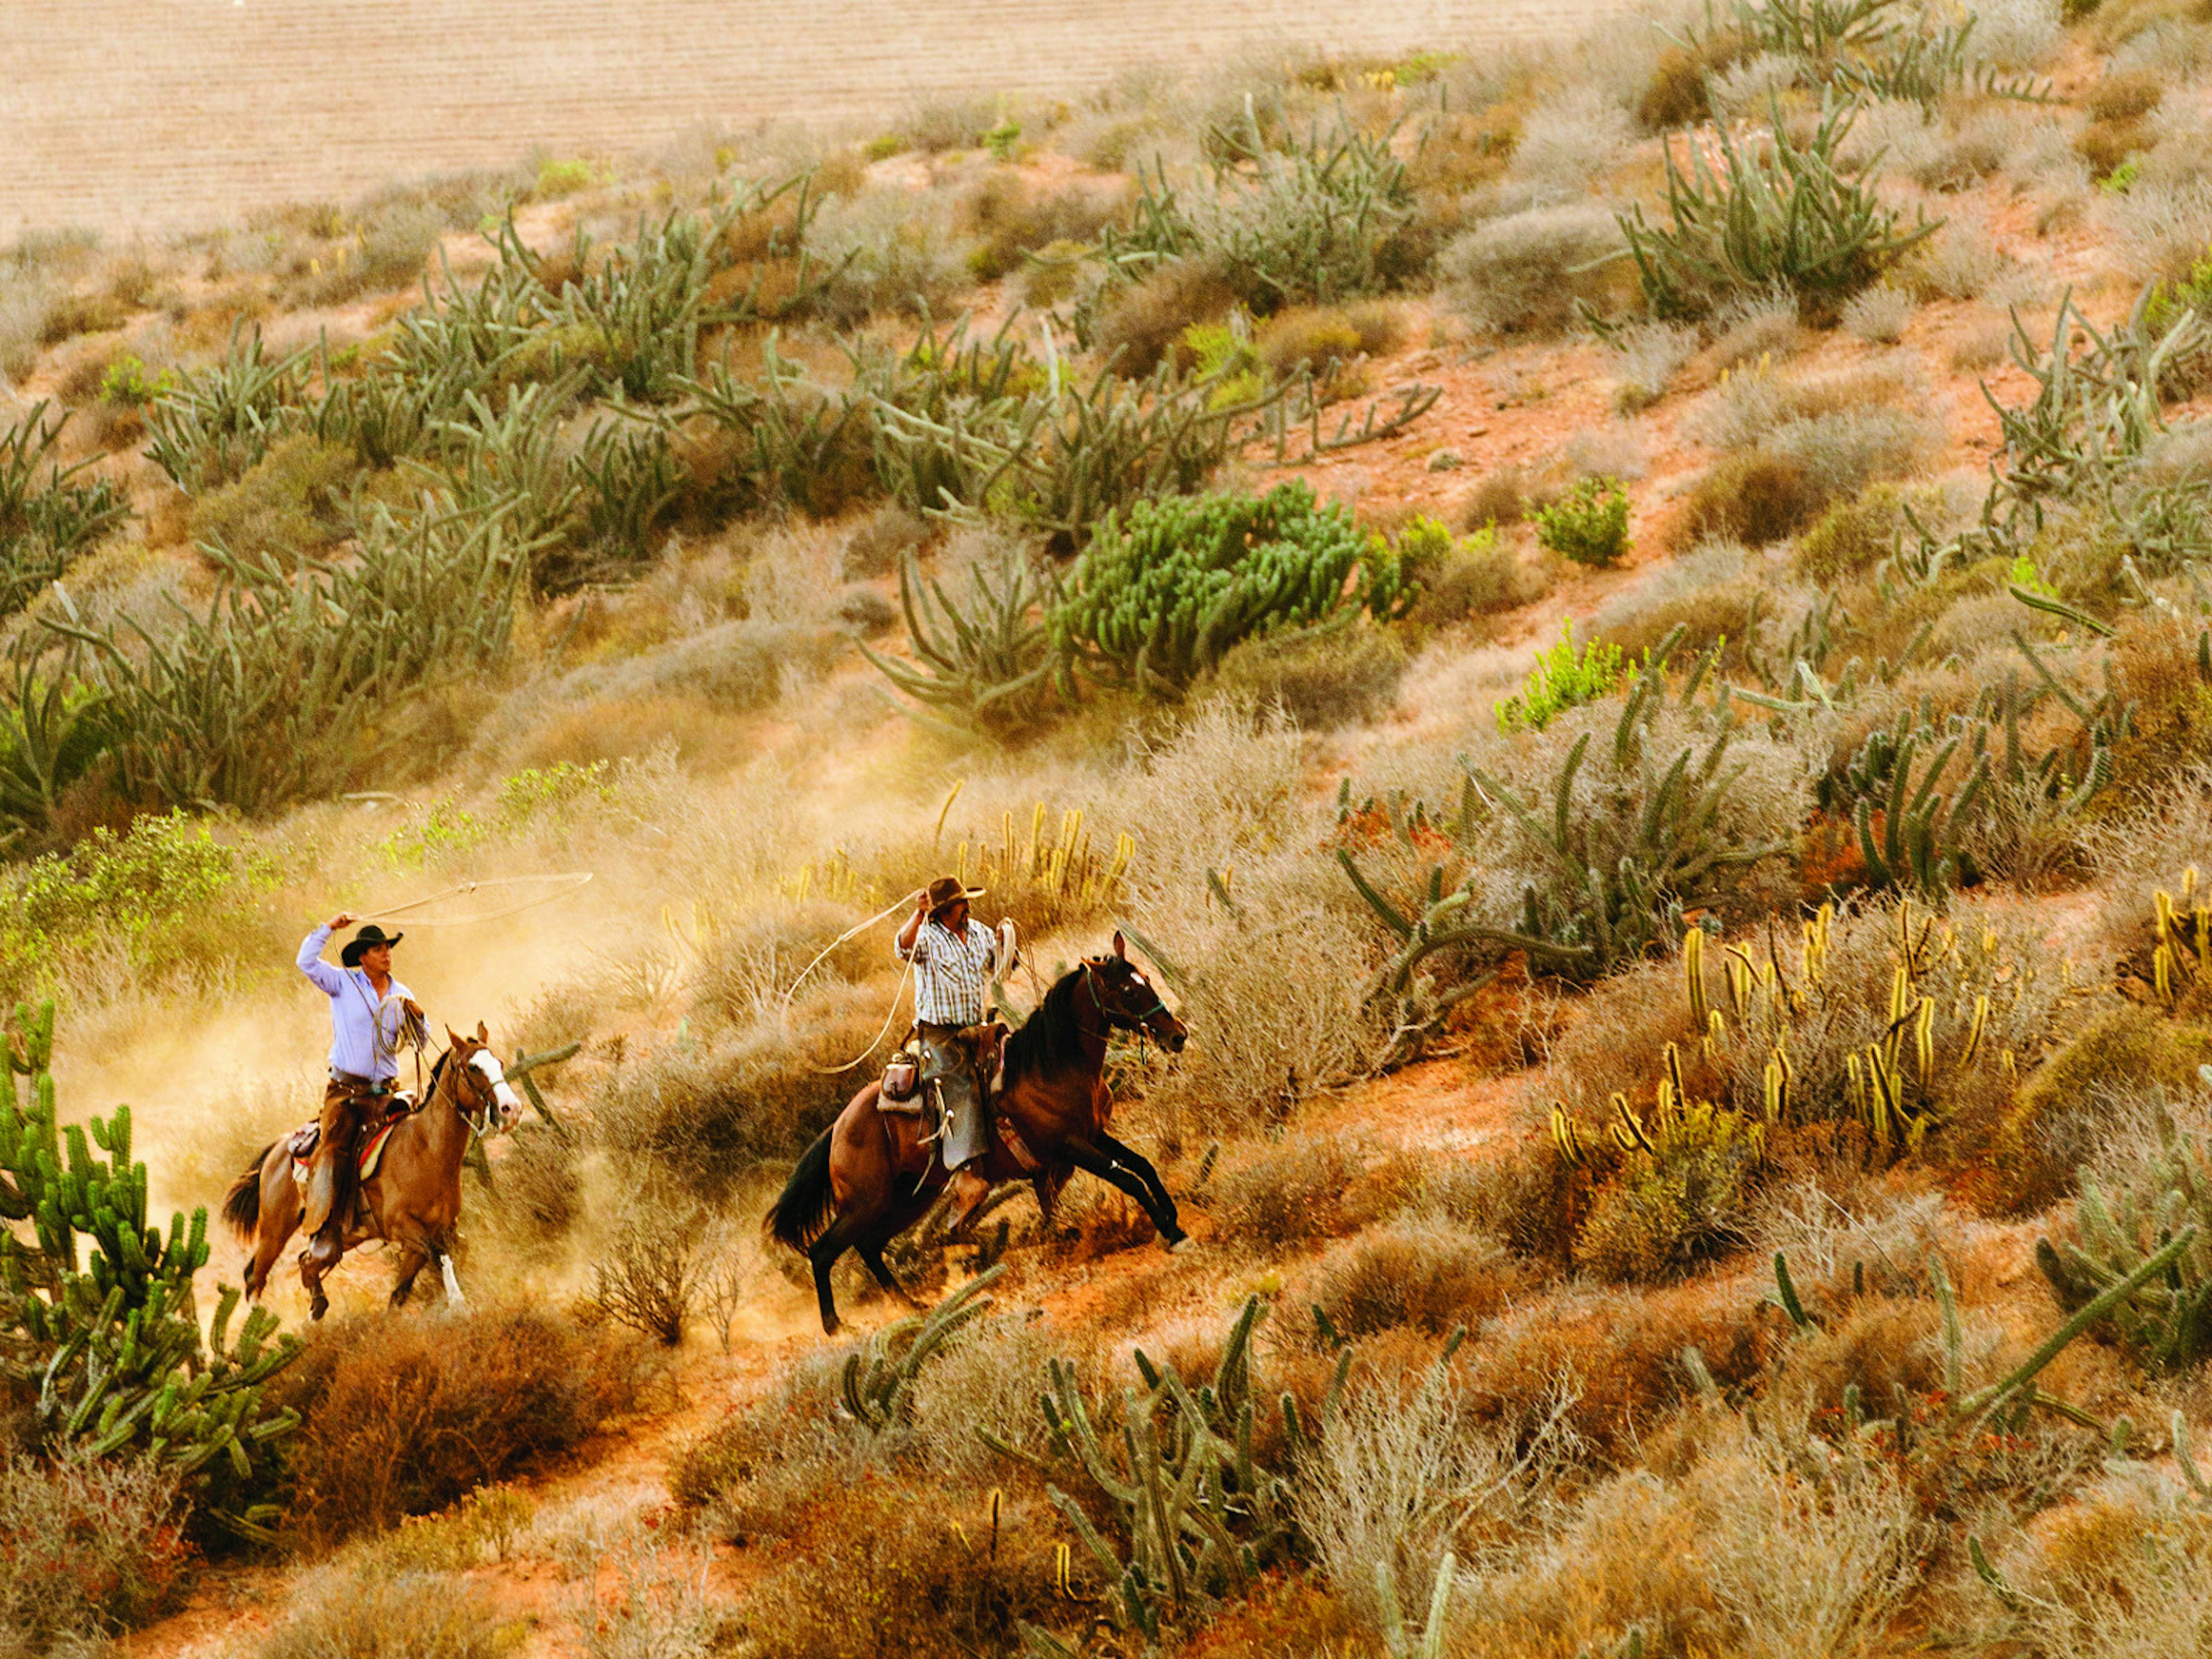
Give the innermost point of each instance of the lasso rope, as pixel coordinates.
(895, 905)
(568, 883)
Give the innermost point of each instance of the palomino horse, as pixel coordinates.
(414, 1198)
(867, 1178)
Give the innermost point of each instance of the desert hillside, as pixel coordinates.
(1616, 628)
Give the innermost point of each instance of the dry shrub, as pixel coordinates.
(2124, 1572)
(2154, 662)
(1481, 577)
(1323, 339)
(85, 1548)
(708, 1111)
(1755, 499)
(2126, 95)
(1665, 1215)
(534, 1205)
(1501, 497)
(1523, 272)
(1010, 217)
(1801, 1569)
(287, 505)
(1852, 535)
(661, 1607)
(1144, 323)
(338, 1613)
(1675, 96)
(1289, 1194)
(917, 1573)
(2065, 1105)
(1621, 1351)
(988, 1377)
(1407, 1470)
(766, 1467)
(1710, 612)
(1423, 1273)
(878, 542)
(1342, 677)
(403, 1414)
(1596, 1580)
(648, 1276)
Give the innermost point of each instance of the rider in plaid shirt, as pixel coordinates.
(954, 958)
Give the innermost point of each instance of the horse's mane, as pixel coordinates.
(1050, 1040)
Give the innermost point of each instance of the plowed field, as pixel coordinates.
(158, 115)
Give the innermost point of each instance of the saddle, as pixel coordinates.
(924, 1079)
(304, 1139)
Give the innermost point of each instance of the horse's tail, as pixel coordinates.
(799, 1217)
(241, 1205)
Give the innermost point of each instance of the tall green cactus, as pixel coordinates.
(2165, 1321)
(878, 1379)
(114, 1346)
(1197, 1515)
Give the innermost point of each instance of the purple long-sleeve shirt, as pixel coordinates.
(365, 1029)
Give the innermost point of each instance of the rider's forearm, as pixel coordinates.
(908, 934)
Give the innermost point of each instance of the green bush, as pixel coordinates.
(1563, 678)
(1685, 1200)
(287, 505)
(1589, 524)
(149, 894)
(1459, 577)
(1157, 599)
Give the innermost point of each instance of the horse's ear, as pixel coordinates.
(482, 1035)
(1120, 945)
(452, 1040)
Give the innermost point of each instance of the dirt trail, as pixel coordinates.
(129, 115)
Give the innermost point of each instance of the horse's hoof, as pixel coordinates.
(1182, 1246)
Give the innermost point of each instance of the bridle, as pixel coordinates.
(1118, 1016)
(477, 1115)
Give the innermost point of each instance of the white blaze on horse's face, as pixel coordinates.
(486, 1067)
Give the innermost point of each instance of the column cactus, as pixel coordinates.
(112, 1346)
(1199, 1515)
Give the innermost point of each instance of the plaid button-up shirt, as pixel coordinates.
(952, 971)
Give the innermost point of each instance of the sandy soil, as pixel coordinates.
(160, 115)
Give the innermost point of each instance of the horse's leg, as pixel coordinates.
(836, 1238)
(277, 1219)
(1094, 1160)
(870, 1252)
(413, 1258)
(1046, 1184)
(1142, 1166)
(453, 1297)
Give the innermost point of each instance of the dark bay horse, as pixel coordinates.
(867, 1178)
(414, 1198)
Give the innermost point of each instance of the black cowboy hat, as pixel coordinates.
(950, 890)
(370, 934)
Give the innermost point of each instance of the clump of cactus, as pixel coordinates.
(239, 705)
(1197, 1515)
(45, 521)
(1615, 885)
(878, 1379)
(1159, 599)
(114, 1346)
(982, 665)
(1774, 213)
